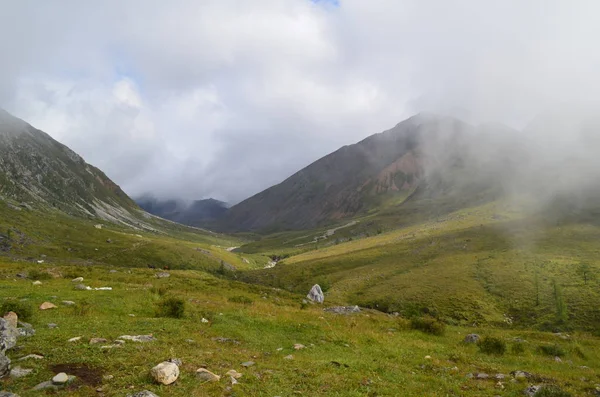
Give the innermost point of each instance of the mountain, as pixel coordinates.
(36, 170)
(423, 157)
(192, 214)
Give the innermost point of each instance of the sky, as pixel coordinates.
(224, 98)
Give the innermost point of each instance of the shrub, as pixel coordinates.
(24, 310)
(241, 299)
(551, 350)
(39, 275)
(170, 307)
(491, 345)
(82, 308)
(428, 324)
(517, 348)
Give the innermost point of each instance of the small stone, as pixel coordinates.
(4, 365)
(163, 275)
(80, 287)
(531, 391)
(75, 339)
(289, 357)
(60, 378)
(108, 347)
(557, 359)
(481, 376)
(138, 338)
(205, 375)
(175, 361)
(520, 375)
(299, 346)
(37, 282)
(108, 377)
(143, 393)
(68, 303)
(47, 305)
(93, 341)
(499, 376)
(427, 357)
(279, 349)
(12, 319)
(32, 356)
(165, 373)
(113, 271)
(18, 372)
(77, 280)
(205, 321)
(121, 342)
(234, 374)
(131, 315)
(472, 338)
(248, 364)
(52, 325)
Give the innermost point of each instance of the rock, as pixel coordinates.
(205, 321)
(18, 372)
(481, 376)
(520, 374)
(12, 319)
(68, 303)
(138, 338)
(162, 275)
(37, 282)
(234, 374)
(80, 287)
(47, 305)
(427, 357)
(77, 280)
(26, 332)
(113, 271)
(472, 338)
(499, 376)
(4, 365)
(557, 359)
(316, 294)
(55, 386)
(8, 394)
(248, 364)
(165, 373)
(531, 391)
(103, 289)
(122, 342)
(290, 357)
(175, 361)
(206, 376)
(299, 346)
(93, 341)
(108, 240)
(8, 335)
(343, 309)
(52, 325)
(143, 393)
(60, 378)
(108, 347)
(32, 356)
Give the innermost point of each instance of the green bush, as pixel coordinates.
(491, 345)
(551, 350)
(241, 299)
(38, 275)
(24, 310)
(170, 307)
(428, 324)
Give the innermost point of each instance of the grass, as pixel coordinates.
(370, 353)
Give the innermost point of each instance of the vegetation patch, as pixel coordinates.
(428, 324)
(170, 307)
(23, 309)
(492, 345)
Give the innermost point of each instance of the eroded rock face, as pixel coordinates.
(165, 373)
(316, 294)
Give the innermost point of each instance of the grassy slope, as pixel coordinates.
(384, 358)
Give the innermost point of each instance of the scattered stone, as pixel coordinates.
(481, 376)
(47, 305)
(60, 378)
(531, 391)
(316, 294)
(68, 303)
(520, 374)
(75, 339)
(80, 287)
(427, 357)
(7, 393)
(94, 341)
(18, 372)
(143, 393)
(12, 319)
(343, 309)
(108, 347)
(472, 338)
(190, 341)
(233, 380)
(108, 377)
(26, 332)
(165, 373)
(32, 356)
(220, 339)
(77, 280)
(163, 275)
(113, 271)
(49, 384)
(290, 357)
(299, 346)
(103, 289)
(557, 359)
(499, 376)
(122, 342)
(37, 282)
(8, 335)
(205, 321)
(52, 325)
(248, 364)
(131, 315)
(4, 365)
(175, 361)
(108, 240)
(138, 338)
(234, 374)
(206, 376)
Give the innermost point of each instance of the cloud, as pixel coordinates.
(223, 98)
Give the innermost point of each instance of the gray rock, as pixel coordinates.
(175, 361)
(18, 372)
(60, 378)
(248, 364)
(162, 275)
(94, 341)
(343, 309)
(143, 393)
(8, 335)
(8, 394)
(206, 376)
(52, 325)
(499, 376)
(138, 338)
(531, 391)
(4, 365)
(481, 376)
(26, 332)
(165, 373)
(316, 294)
(520, 374)
(33, 356)
(77, 280)
(472, 338)
(68, 303)
(80, 287)
(46, 385)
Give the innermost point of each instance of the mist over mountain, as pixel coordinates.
(192, 213)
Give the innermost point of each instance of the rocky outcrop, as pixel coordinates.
(316, 294)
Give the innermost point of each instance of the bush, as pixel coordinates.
(517, 348)
(429, 325)
(39, 275)
(551, 350)
(82, 308)
(241, 299)
(491, 345)
(170, 307)
(24, 310)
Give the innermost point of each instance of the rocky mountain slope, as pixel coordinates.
(36, 170)
(192, 214)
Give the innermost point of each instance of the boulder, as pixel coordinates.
(8, 335)
(47, 305)
(165, 373)
(12, 319)
(472, 338)
(316, 294)
(205, 375)
(4, 365)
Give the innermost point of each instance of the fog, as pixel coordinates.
(223, 98)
